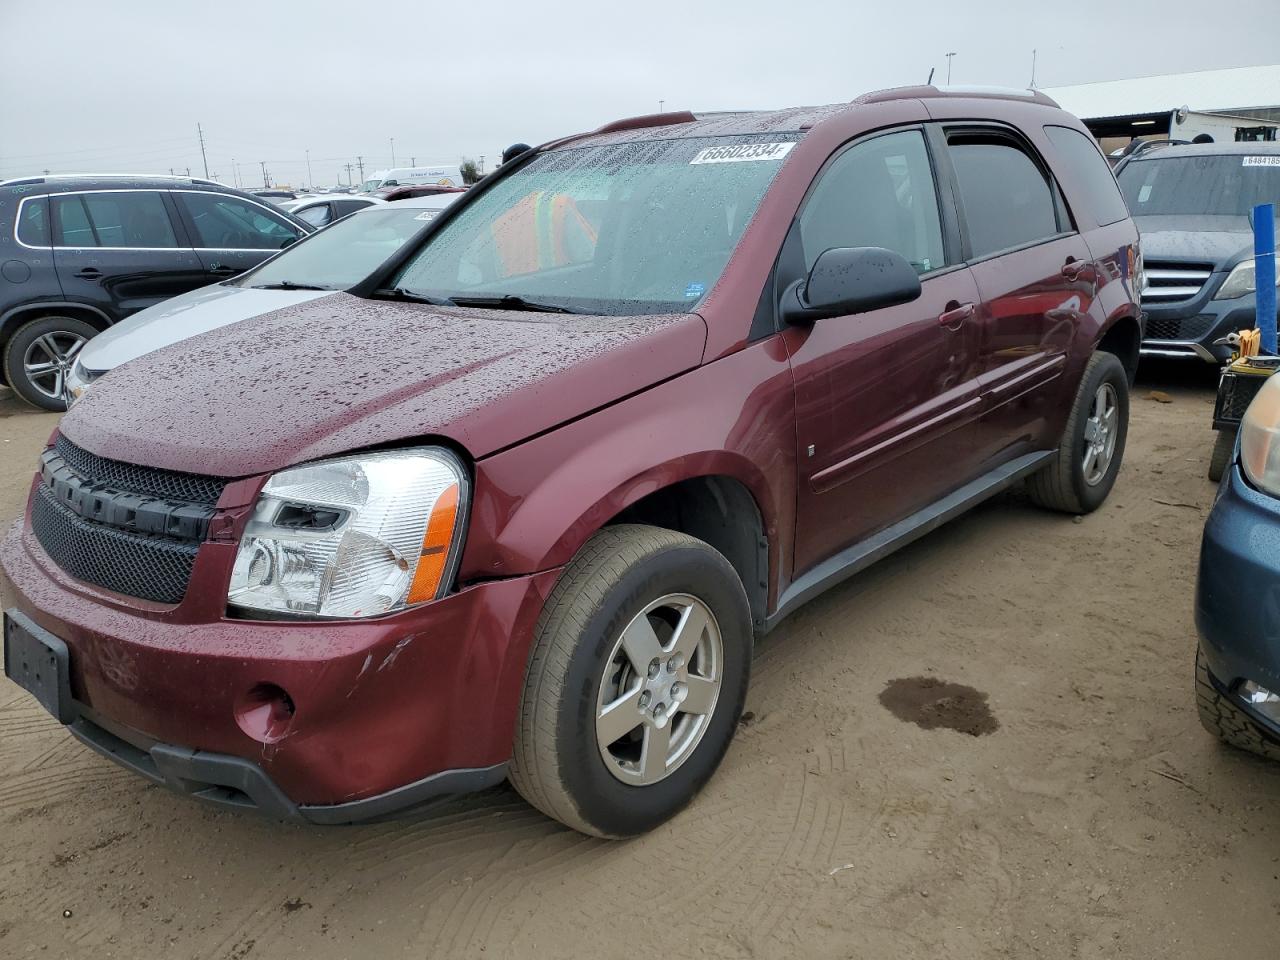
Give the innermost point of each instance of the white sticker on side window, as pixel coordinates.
(1262, 161)
(738, 153)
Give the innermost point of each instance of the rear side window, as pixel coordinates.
(126, 219)
(1101, 197)
(1007, 200)
(229, 223)
(879, 193)
(33, 223)
(317, 216)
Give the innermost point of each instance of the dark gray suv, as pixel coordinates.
(1192, 204)
(78, 254)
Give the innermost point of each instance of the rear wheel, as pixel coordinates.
(1224, 445)
(1226, 721)
(636, 681)
(39, 356)
(1088, 458)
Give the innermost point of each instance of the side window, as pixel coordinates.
(71, 222)
(317, 215)
(130, 218)
(1007, 200)
(33, 223)
(229, 223)
(879, 193)
(1100, 194)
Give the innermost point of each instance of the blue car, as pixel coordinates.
(1238, 592)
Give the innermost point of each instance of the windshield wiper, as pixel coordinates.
(510, 302)
(289, 285)
(400, 293)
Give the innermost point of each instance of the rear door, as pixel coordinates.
(121, 250)
(1035, 277)
(885, 400)
(232, 234)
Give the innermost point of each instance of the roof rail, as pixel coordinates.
(931, 92)
(648, 120)
(110, 176)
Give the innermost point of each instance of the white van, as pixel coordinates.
(445, 176)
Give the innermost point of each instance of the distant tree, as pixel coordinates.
(470, 171)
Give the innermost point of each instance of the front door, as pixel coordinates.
(120, 250)
(885, 400)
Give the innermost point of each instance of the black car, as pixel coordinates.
(78, 254)
(1192, 204)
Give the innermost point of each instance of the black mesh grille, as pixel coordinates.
(1179, 328)
(153, 568)
(169, 484)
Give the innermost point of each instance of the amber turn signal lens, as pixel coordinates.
(435, 547)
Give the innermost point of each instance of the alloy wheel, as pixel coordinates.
(1101, 431)
(659, 689)
(49, 358)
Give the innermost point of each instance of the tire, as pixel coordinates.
(63, 334)
(1226, 721)
(1224, 446)
(558, 763)
(1063, 484)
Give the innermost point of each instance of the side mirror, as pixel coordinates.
(848, 280)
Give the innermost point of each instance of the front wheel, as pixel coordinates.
(1087, 461)
(1224, 447)
(636, 681)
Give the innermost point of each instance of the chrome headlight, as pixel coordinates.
(76, 383)
(1260, 438)
(353, 537)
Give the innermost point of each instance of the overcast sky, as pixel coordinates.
(120, 86)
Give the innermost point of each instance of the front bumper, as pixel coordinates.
(388, 712)
(1189, 328)
(1238, 590)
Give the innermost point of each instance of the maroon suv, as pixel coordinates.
(519, 506)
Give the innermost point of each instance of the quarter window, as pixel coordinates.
(33, 224)
(879, 193)
(317, 216)
(1008, 202)
(223, 222)
(1100, 194)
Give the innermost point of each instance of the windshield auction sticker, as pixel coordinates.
(742, 152)
(1252, 161)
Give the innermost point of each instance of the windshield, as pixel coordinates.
(342, 255)
(629, 228)
(1224, 185)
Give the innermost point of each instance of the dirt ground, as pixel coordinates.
(1092, 818)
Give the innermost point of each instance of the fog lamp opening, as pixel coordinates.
(1260, 699)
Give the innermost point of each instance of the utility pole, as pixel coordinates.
(348, 166)
(235, 173)
(413, 161)
(949, 56)
(481, 170)
(310, 182)
(266, 183)
(189, 173)
(393, 151)
(170, 171)
(662, 106)
(360, 167)
(1033, 68)
(200, 132)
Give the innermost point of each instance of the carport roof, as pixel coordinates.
(1239, 88)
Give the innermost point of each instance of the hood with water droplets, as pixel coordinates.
(343, 373)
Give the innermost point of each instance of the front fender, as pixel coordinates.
(536, 504)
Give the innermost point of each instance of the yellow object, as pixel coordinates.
(1250, 342)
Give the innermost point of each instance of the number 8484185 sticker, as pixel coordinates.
(740, 152)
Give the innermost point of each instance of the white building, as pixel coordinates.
(1242, 103)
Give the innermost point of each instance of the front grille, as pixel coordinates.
(133, 530)
(1173, 282)
(1179, 328)
(168, 484)
(149, 567)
